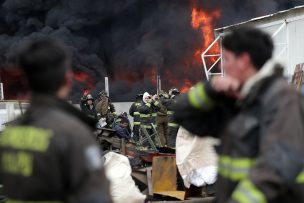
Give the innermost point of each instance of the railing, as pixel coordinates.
(205, 56)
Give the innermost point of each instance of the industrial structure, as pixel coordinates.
(285, 27)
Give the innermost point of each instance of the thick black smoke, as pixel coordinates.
(234, 11)
(123, 39)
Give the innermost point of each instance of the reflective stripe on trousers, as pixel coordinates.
(235, 169)
(145, 115)
(247, 192)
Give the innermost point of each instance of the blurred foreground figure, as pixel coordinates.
(258, 118)
(49, 154)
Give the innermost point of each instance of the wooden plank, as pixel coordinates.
(164, 174)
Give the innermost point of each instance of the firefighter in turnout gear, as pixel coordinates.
(172, 125)
(162, 118)
(49, 155)
(147, 107)
(88, 107)
(136, 116)
(259, 119)
(145, 111)
(105, 108)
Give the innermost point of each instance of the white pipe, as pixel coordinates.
(211, 45)
(107, 86)
(214, 64)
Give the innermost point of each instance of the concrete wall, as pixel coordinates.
(121, 107)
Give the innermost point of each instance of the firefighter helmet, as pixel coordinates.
(90, 97)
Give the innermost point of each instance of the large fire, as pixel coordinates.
(188, 73)
(204, 22)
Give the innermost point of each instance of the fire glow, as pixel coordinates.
(85, 79)
(202, 21)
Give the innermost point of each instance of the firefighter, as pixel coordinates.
(172, 125)
(162, 118)
(145, 111)
(259, 119)
(88, 107)
(133, 111)
(49, 154)
(105, 108)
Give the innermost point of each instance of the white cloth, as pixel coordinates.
(203, 176)
(102, 122)
(122, 186)
(145, 96)
(196, 158)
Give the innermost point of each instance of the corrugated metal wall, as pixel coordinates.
(289, 41)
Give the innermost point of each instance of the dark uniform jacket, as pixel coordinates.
(49, 155)
(162, 108)
(146, 110)
(123, 132)
(133, 111)
(86, 109)
(262, 151)
(169, 104)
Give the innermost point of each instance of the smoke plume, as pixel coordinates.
(129, 41)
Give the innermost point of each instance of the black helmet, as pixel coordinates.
(139, 96)
(174, 91)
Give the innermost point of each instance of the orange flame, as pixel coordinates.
(187, 85)
(201, 21)
(86, 79)
(204, 22)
